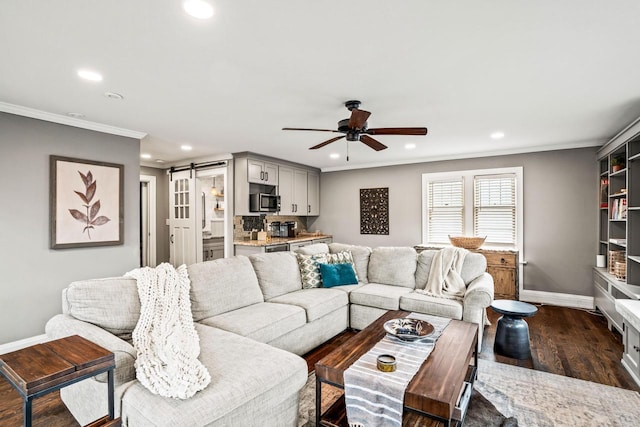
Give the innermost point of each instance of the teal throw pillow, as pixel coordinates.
(337, 274)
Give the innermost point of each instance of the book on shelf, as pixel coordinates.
(604, 191)
(622, 209)
(614, 209)
(621, 242)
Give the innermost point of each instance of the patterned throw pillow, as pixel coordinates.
(343, 257)
(310, 271)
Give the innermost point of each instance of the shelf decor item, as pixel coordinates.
(467, 242)
(617, 163)
(615, 257)
(620, 270)
(86, 203)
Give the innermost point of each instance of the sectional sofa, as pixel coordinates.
(254, 320)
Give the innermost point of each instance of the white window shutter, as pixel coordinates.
(494, 210)
(445, 202)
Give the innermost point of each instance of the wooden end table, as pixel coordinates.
(42, 368)
(440, 390)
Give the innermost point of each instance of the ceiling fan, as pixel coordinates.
(355, 129)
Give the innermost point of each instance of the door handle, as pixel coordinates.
(266, 176)
(308, 208)
(171, 239)
(261, 176)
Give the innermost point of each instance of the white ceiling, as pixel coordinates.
(548, 74)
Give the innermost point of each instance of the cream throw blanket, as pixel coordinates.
(165, 338)
(444, 276)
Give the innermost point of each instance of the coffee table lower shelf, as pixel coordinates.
(336, 414)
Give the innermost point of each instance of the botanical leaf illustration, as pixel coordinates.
(90, 218)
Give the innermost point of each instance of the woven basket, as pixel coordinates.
(615, 256)
(467, 242)
(620, 270)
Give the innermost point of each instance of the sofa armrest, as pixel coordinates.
(479, 292)
(63, 325)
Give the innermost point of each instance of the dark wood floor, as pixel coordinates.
(564, 341)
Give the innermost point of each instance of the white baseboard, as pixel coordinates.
(17, 345)
(553, 298)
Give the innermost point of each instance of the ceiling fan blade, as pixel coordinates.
(318, 130)
(322, 144)
(365, 139)
(397, 131)
(358, 118)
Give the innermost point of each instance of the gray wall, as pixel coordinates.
(560, 213)
(162, 211)
(33, 275)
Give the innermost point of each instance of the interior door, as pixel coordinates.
(182, 218)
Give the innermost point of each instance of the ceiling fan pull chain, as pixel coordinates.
(347, 150)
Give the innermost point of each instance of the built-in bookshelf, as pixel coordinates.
(618, 223)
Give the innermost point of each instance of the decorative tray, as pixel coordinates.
(409, 329)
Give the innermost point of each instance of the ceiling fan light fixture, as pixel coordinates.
(198, 9)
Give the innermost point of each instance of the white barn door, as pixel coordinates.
(182, 218)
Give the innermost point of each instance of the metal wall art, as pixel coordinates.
(374, 210)
(86, 203)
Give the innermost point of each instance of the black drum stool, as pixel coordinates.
(512, 333)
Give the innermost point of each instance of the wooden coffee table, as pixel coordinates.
(42, 368)
(441, 389)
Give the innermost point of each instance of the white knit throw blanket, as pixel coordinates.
(165, 338)
(444, 276)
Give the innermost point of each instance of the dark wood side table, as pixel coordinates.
(512, 332)
(42, 368)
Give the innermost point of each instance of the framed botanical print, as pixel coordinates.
(86, 203)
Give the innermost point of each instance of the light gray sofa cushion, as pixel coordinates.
(473, 266)
(222, 285)
(421, 303)
(394, 266)
(110, 303)
(246, 376)
(262, 322)
(316, 302)
(278, 273)
(378, 295)
(360, 258)
(314, 249)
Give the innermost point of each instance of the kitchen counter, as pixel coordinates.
(281, 240)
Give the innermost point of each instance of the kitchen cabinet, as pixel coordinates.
(246, 250)
(292, 189)
(260, 172)
(212, 248)
(313, 194)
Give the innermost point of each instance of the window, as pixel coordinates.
(473, 203)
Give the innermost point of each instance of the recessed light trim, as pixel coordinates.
(159, 161)
(497, 135)
(145, 155)
(114, 95)
(186, 147)
(198, 9)
(90, 75)
(410, 146)
(334, 155)
(75, 115)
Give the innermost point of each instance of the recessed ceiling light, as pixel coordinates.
(145, 155)
(159, 161)
(75, 115)
(90, 75)
(198, 9)
(497, 135)
(113, 95)
(334, 155)
(186, 147)
(410, 146)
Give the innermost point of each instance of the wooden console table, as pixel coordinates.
(40, 369)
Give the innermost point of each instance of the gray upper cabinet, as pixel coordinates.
(293, 191)
(313, 194)
(260, 172)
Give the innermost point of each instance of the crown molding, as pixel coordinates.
(460, 156)
(69, 121)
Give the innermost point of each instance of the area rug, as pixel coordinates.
(541, 399)
(505, 393)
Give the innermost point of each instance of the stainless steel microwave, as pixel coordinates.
(262, 202)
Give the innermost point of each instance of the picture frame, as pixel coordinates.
(86, 203)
